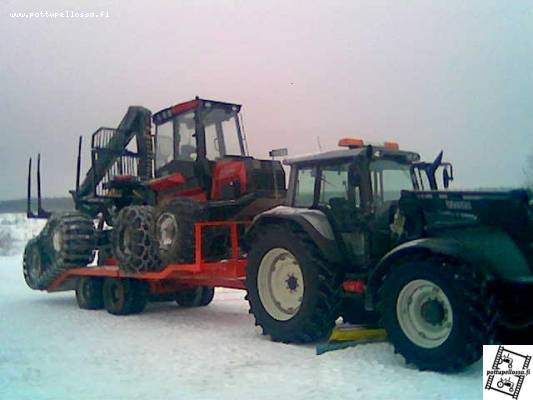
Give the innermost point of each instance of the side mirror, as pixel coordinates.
(446, 178)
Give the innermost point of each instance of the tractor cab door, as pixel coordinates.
(343, 196)
(176, 152)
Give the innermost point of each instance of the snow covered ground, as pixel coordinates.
(50, 349)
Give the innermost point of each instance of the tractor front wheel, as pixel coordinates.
(294, 294)
(436, 314)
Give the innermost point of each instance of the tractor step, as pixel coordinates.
(343, 337)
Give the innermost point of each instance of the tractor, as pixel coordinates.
(146, 188)
(442, 271)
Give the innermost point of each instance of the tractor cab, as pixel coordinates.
(192, 139)
(358, 189)
(201, 154)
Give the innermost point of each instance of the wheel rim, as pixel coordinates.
(167, 230)
(281, 284)
(57, 240)
(424, 313)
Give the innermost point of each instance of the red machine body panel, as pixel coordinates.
(228, 172)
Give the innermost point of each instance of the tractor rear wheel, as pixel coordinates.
(436, 314)
(124, 296)
(294, 294)
(196, 297)
(67, 241)
(89, 293)
(133, 241)
(175, 229)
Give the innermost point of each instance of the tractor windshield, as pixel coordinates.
(222, 133)
(389, 178)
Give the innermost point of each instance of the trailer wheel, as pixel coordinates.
(66, 241)
(175, 229)
(124, 296)
(294, 294)
(196, 297)
(436, 314)
(133, 242)
(89, 293)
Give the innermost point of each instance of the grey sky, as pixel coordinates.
(431, 75)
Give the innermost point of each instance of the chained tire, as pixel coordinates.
(133, 242)
(89, 293)
(67, 241)
(175, 229)
(294, 294)
(436, 313)
(124, 296)
(196, 297)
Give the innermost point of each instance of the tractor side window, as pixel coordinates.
(232, 137)
(212, 143)
(334, 184)
(389, 178)
(184, 129)
(164, 145)
(222, 135)
(305, 187)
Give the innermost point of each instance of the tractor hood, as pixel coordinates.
(433, 211)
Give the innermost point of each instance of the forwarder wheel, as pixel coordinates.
(133, 242)
(435, 313)
(196, 297)
(33, 265)
(175, 229)
(294, 294)
(89, 293)
(66, 241)
(124, 296)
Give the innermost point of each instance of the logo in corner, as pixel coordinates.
(508, 372)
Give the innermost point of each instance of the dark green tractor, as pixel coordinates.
(446, 271)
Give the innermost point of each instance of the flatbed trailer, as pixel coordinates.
(174, 278)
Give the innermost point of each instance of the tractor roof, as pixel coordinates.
(166, 114)
(356, 147)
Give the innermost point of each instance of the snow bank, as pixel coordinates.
(50, 349)
(15, 231)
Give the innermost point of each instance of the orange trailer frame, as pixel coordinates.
(229, 273)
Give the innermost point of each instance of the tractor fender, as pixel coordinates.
(492, 251)
(313, 222)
